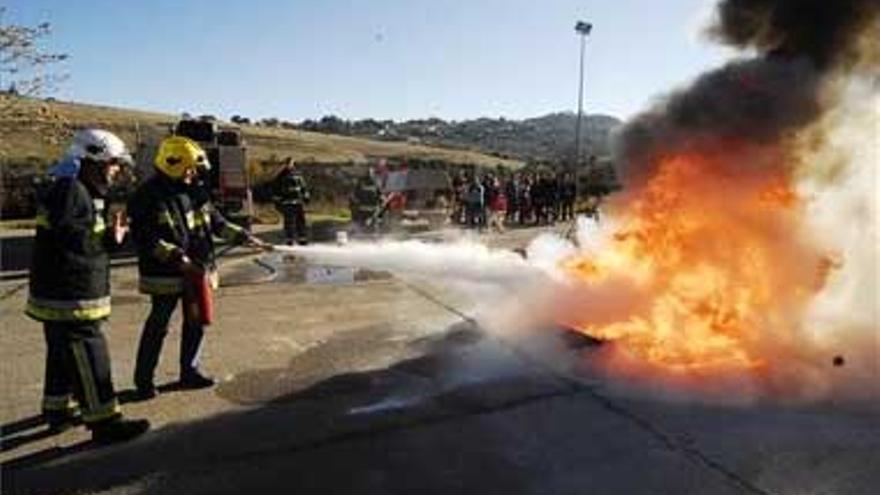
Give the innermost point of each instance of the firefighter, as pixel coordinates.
(291, 196)
(173, 221)
(365, 201)
(70, 287)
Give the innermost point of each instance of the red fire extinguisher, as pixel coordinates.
(198, 296)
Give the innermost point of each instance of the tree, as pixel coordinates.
(333, 125)
(25, 67)
(309, 125)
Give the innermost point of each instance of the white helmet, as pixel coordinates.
(98, 145)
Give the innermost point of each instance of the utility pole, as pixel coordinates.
(583, 30)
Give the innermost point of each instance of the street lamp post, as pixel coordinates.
(582, 29)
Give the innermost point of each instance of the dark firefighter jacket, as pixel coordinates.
(290, 190)
(367, 197)
(70, 276)
(170, 219)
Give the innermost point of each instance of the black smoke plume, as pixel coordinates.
(758, 100)
(824, 31)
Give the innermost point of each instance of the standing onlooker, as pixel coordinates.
(459, 205)
(568, 195)
(539, 199)
(525, 199)
(511, 193)
(489, 193)
(551, 190)
(498, 208)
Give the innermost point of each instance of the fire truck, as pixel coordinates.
(228, 179)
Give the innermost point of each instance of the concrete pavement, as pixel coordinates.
(374, 388)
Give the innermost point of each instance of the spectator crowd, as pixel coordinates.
(529, 198)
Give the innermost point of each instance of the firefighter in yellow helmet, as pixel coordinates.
(173, 224)
(70, 286)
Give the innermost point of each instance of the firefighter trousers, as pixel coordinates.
(294, 223)
(153, 336)
(78, 370)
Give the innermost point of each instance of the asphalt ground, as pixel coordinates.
(381, 386)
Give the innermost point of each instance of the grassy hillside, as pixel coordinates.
(35, 132)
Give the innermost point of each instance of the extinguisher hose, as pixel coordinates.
(272, 271)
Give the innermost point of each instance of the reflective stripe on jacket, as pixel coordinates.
(170, 219)
(68, 310)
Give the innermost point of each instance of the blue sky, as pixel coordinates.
(398, 59)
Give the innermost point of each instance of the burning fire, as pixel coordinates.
(748, 189)
(713, 242)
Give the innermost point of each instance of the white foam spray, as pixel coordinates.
(464, 260)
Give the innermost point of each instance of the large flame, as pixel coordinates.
(712, 241)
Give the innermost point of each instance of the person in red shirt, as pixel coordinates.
(498, 208)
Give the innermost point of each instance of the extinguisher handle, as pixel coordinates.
(190, 267)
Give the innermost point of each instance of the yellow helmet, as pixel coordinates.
(177, 154)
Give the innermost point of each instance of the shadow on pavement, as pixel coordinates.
(14, 441)
(27, 430)
(462, 414)
(23, 424)
(42, 457)
(130, 395)
(311, 432)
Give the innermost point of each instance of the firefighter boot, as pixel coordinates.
(145, 392)
(60, 421)
(195, 380)
(118, 430)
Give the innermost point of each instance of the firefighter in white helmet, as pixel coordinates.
(173, 223)
(70, 286)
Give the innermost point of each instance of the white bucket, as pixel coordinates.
(341, 237)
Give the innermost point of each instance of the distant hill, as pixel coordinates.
(35, 132)
(547, 138)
